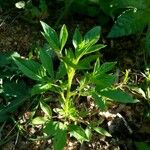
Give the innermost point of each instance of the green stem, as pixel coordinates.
(71, 73)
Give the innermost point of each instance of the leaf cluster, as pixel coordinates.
(75, 69)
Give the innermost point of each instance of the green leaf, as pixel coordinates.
(117, 95)
(50, 128)
(47, 61)
(63, 36)
(96, 66)
(46, 109)
(78, 133)
(99, 101)
(140, 4)
(43, 5)
(93, 35)
(60, 139)
(77, 38)
(104, 68)
(61, 72)
(30, 68)
(102, 131)
(103, 80)
(40, 88)
(58, 131)
(86, 62)
(6, 58)
(148, 40)
(39, 120)
(88, 133)
(14, 88)
(14, 96)
(128, 23)
(95, 48)
(51, 36)
(13, 105)
(105, 6)
(142, 146)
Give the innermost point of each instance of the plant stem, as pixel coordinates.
(71, 73)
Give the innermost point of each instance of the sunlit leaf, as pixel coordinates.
(39, 120)
(51, 36)
(102, 131)
(63, 36)
(93, 35)
(40, 88)
(46, 108)
(30, 68)
(118, 96)
(77, 38)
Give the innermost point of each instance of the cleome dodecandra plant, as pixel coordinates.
(79, 73)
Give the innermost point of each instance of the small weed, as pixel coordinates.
(75, 77)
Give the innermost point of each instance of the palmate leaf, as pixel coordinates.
(30, 68)
(128, 23)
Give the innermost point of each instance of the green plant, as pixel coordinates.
(33, 12)
(98, 9)
(11, 94)
(75, 77)
(133, 19)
